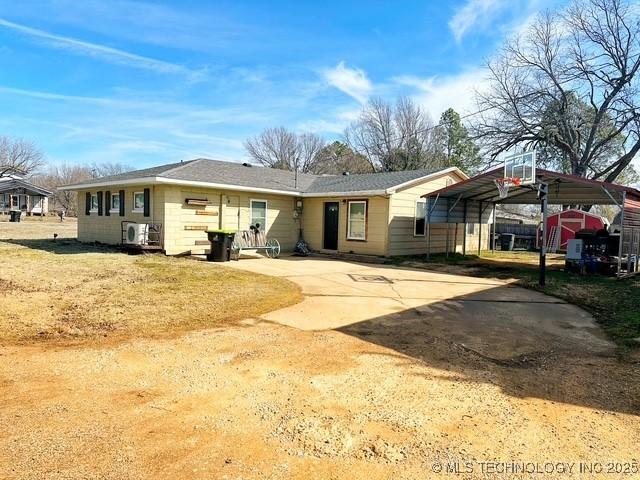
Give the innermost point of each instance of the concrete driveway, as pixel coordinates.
(398, 307)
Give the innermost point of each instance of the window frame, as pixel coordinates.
(266, 212)
(94, 196)
(141, 209)
(415, 218)
(366, 220)
(113, 209)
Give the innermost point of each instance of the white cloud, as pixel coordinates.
(473, 13)
(352, 81)
(53, 96)
(436, 94)
(108, 53)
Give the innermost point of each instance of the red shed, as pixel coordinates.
(562, 227)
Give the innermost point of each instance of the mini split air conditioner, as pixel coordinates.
(137, 234)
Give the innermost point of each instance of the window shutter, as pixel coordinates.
(99, 203)
(122, 203)
(87, 207)
(147, 202)
(107, 203)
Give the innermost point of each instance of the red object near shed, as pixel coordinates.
(562, 227)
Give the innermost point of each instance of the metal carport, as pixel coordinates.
(475, 199)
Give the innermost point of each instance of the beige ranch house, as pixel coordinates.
(379, 214)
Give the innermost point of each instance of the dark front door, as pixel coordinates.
(331, 214)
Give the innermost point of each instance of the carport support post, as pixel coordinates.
(428, 228)
(446, 247)
(624, 199)
(493, 230)
(479, 228)
(543, 247)
(464, 237)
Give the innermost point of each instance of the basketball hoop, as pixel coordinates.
(505, 183)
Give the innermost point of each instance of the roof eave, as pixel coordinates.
(358, 193)
(110, 183)
(416, 181)
(174, 181)
(224, 186)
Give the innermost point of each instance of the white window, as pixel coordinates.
(357, 224)
(115, 203)
(94, 202)
(259, 214)
(138, 202)
(471, 228)
(420, 222)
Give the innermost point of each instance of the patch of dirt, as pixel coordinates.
(267, 401)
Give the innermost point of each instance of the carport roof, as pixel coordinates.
(564, 189)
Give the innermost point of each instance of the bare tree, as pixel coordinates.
(308, 147)
(286, 150)
(106, 169)
(18, 156)
(569, 85)
(58, 175)
(399, 137)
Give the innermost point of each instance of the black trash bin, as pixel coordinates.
(220, 245)
(15, 215)
(507, 241)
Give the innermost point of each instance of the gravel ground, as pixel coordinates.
(261, 400)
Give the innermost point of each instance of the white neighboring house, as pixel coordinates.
(18, 194)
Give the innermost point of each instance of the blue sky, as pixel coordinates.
(144, 83)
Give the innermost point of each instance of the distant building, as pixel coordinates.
(18, 194)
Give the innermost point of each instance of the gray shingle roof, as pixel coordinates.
(145, 172)
(238, 174)
(365, 181)
(13, 185)
(229, 173)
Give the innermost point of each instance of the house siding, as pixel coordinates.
(180, 222)
(377, 225)
(231, 210)
(403, 241)
(107, 229)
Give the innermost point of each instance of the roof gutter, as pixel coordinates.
(132, 181)
(360, 193)
(172, 181)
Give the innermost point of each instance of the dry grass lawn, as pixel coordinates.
(66, 290)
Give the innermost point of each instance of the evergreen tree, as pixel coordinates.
(457, 149)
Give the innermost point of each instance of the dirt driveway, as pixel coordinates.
(379, 373)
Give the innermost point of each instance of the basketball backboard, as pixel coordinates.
(522, 166)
